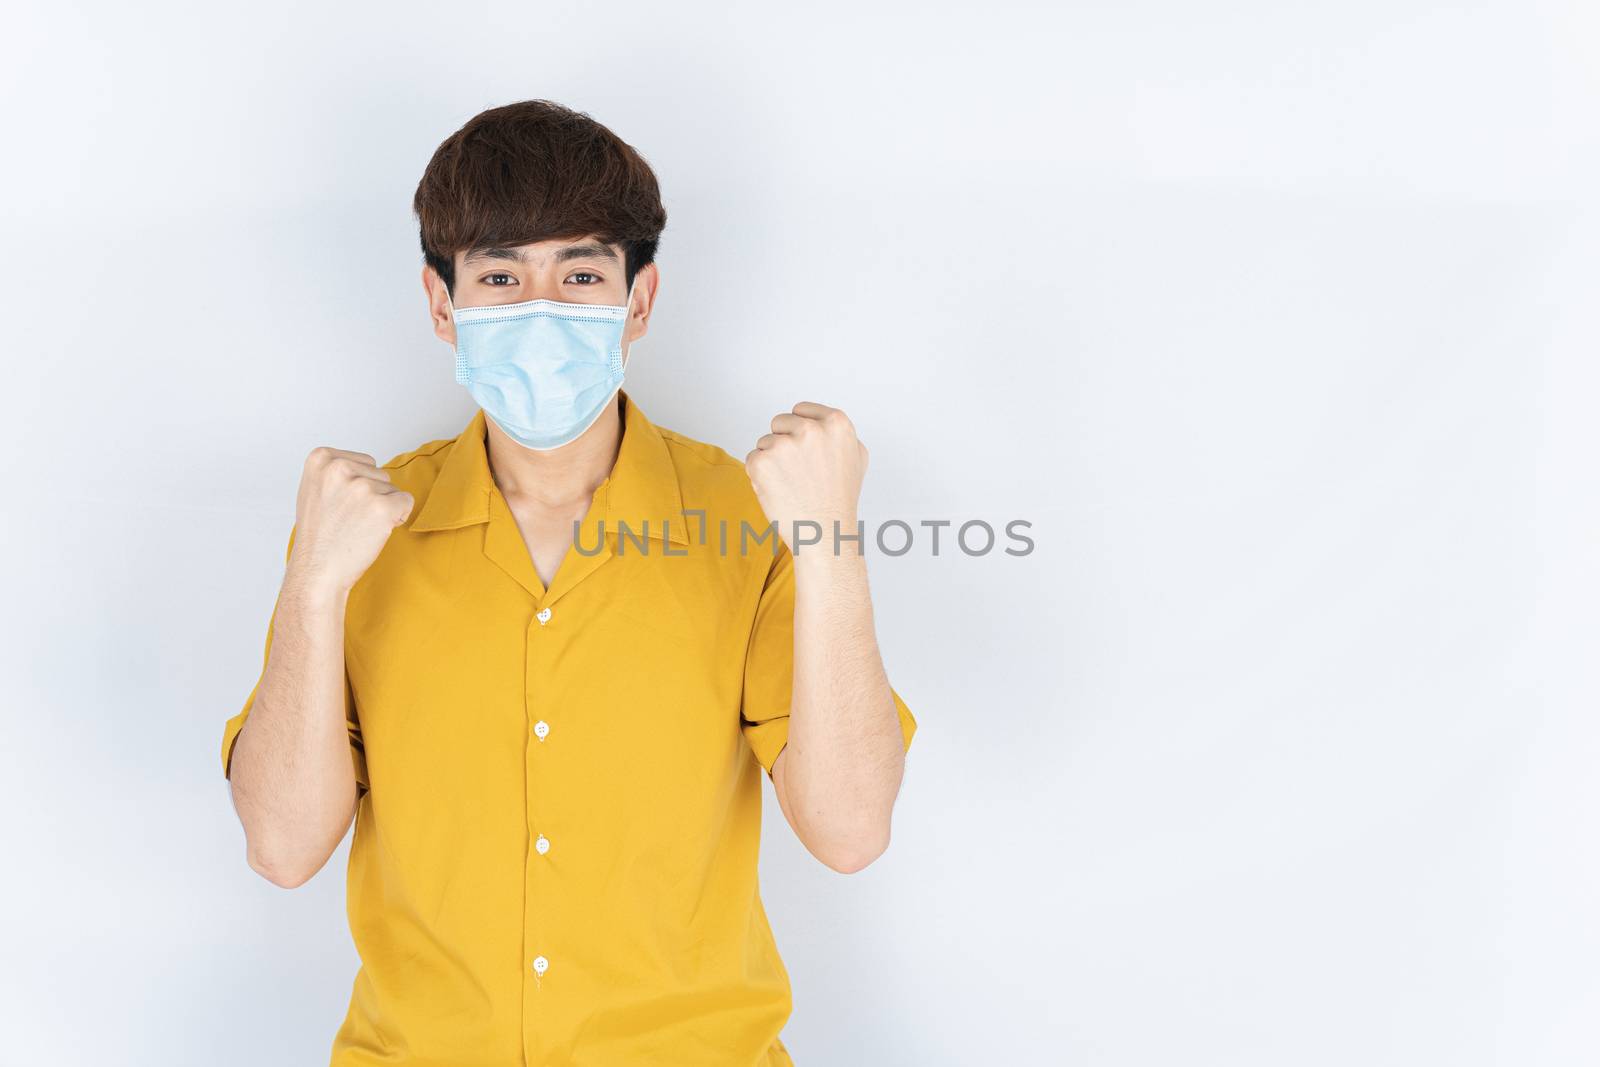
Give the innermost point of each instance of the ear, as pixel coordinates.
(645, 286)
(444, 327)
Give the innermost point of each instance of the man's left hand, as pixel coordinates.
(809, 469)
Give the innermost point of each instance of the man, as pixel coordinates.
(543, 663)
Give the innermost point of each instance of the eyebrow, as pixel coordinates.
(588, 250)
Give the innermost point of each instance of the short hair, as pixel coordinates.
(536, 171)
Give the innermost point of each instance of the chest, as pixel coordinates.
(602, 713)
(630, 667)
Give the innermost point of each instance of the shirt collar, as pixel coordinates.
(641, 491)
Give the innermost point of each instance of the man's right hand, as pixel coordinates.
(344, 514)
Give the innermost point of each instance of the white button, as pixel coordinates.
(540, 729)
(544, 616)
(540, 965)
(543, 844)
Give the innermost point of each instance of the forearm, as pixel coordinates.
(293, 782)
(846, 751)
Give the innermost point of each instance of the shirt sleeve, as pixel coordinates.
(769, 669)
(230, 732)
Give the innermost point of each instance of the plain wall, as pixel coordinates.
(1277, 321)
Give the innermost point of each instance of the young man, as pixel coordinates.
(543, 663)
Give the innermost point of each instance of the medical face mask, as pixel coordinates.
(543, 370)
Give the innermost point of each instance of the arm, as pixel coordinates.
(292, 782)
(839, 773)
(291, 775)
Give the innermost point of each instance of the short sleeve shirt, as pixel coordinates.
(559, 814)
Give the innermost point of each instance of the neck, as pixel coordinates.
(560, 477)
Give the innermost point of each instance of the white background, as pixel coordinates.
(1277, 320)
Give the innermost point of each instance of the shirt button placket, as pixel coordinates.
(534, 921)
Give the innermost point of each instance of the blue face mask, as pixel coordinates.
(543, 370)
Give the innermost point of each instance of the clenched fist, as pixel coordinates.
(809, 469)
(345, 512)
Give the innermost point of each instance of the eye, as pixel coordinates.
(509, 280)
(585, 274)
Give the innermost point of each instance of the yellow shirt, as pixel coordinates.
(555, 850)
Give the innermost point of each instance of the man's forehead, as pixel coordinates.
(560, 249)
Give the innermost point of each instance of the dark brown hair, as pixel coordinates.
(536, 171)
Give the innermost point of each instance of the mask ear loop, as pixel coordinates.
(627, 313)
(463, 375)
